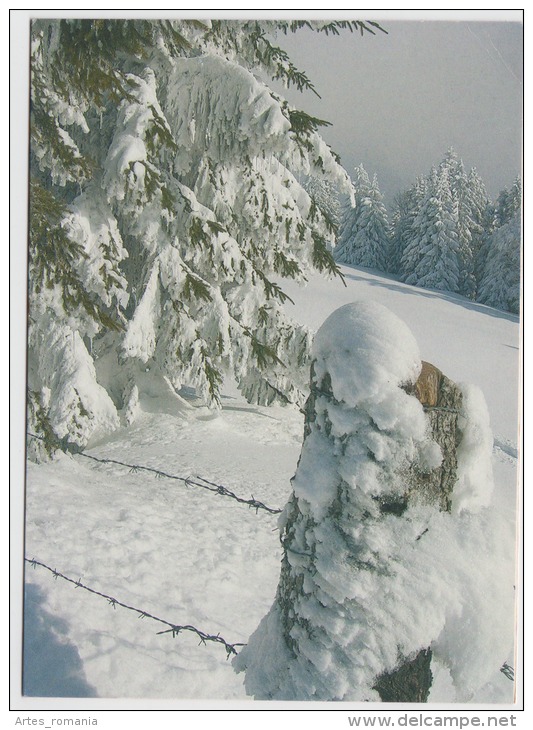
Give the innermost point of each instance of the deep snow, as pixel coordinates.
(192, 557)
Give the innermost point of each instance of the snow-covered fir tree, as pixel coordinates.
(364, 234)
(488, 223)
(350, 210)
(467, 205)
(432, 257)
(479, 213)
(509, 203)
(468, 192)
(165, 207)
(406, 206)
(498, 256)
(467, 226)
(499, 284)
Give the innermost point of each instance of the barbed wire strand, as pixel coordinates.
(174, 629)
(195, 481)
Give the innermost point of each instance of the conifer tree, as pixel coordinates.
(432, 258)
(479, 210)
(467, 205)
(406, 206)
(509, 203)
(350, 212)
(500, 256)
(364, 237)
(453, 167)
(468, 192)
(165, 207)
(500, 285)
(488, 223)
(444, 235)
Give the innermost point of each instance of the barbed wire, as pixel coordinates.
(174, 629)
(189, 481)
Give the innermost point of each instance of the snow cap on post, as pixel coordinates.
(365, 349)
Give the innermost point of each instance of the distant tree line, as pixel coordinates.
(444, 233)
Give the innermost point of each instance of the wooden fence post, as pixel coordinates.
(383, 432)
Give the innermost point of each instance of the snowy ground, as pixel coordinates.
(192, 557)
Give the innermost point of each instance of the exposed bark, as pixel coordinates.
(442, 400)
(411, 680)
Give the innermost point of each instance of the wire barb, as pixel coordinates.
(174, 629)
(188, 481)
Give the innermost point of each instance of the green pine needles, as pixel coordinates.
(165, 213)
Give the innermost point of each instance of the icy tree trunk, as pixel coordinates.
(442, 400)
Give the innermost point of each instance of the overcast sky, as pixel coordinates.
(399, 101)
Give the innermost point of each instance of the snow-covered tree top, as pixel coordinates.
(166, 204)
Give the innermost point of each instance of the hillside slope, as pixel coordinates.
(195, 558)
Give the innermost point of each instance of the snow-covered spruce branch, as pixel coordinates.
(174, 629)
(159, 237)
(188, 481)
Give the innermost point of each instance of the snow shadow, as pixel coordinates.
(51, 667)
(395, 285)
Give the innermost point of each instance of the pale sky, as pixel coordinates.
(399, 101)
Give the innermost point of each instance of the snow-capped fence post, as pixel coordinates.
(364, 592)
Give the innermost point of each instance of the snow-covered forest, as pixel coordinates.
(443, 233)
(190, 233)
